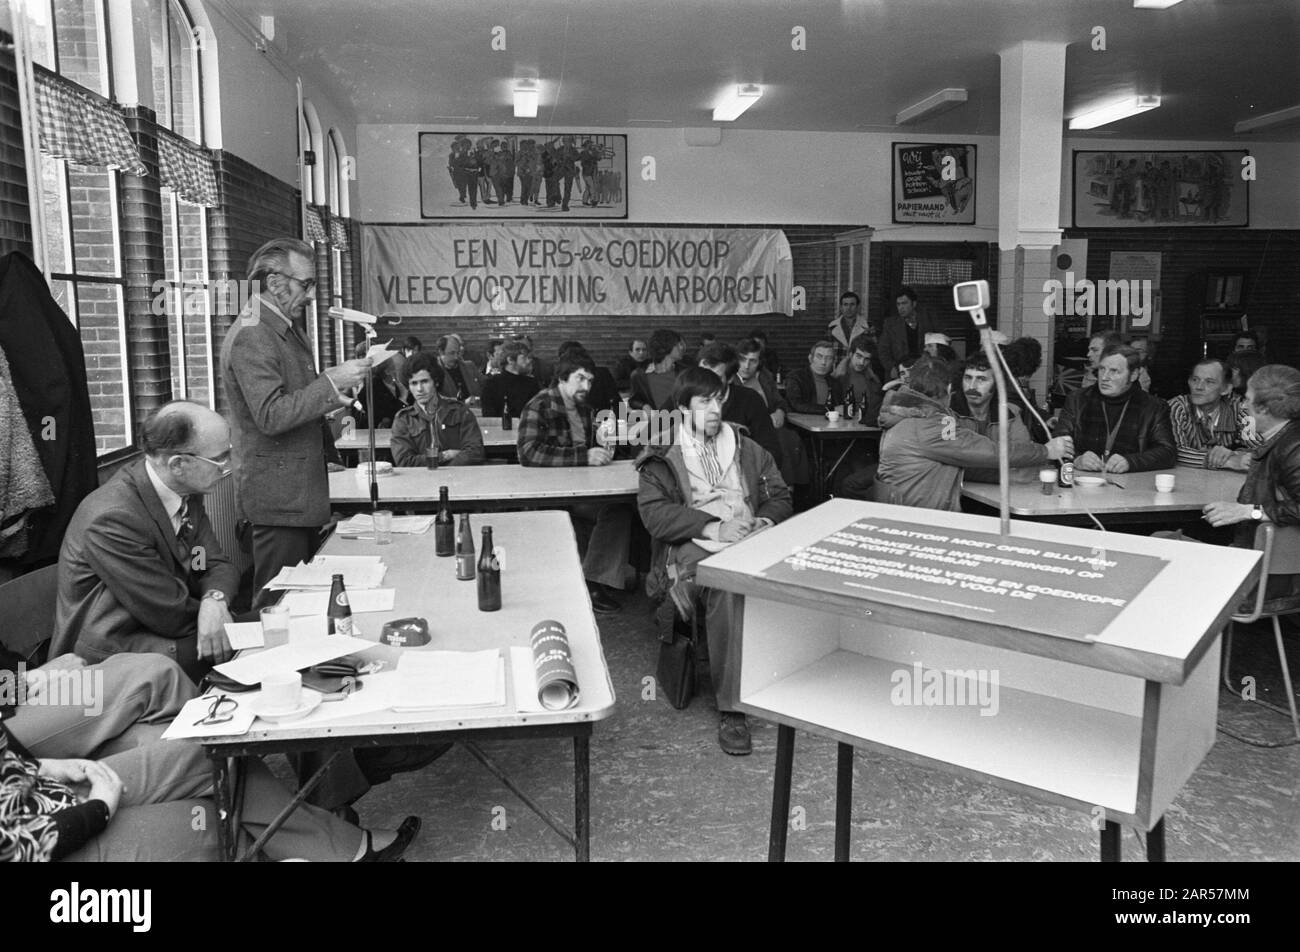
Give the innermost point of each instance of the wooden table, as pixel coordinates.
(542, 580)
(1137, 502)
(1112, 727)
(819, 431)
(488, 487)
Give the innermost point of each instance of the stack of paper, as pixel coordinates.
(316, 601)
(251, 668)
(359, 571)
(363, 524)
(434, 679)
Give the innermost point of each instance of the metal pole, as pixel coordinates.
(1004, 474)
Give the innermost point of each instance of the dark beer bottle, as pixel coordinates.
(444, 526)
(830, 398)
(506, 422)
(339, 612)
(489, 575)
(850, 404)
(464, 549)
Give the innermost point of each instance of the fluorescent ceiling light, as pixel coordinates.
(941, 101)
(527, 96)
(1115, 111)
(736, 101)
(1154, 4)
(1291, 114)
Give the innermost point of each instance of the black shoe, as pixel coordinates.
(603, 603)
(392, 853)
(733, 735)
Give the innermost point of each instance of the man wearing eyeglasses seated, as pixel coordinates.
(141, 569)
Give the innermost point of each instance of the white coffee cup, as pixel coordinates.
(833, 416)
(1164, 482)
(282, 692)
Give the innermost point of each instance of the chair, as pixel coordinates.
(27, 607)
(1281, 548)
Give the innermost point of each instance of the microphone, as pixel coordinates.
(361, 317)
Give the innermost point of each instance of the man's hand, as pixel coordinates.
(213, 643)
(733, 530)
(105, 785)
(1226, 513)
(1238, 461)
(71, 772)
(598, 456)
(1117, 464)
(1218, 457)
(446, 456)
(350, 373)
(1089, 462)
(1059, 447)
(778, 418)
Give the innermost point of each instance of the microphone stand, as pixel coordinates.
(370, 430)
(1004, 475)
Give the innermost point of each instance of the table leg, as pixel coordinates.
(221, 794)
(582, 798)
(781, 794)
(1156, 843)
(843, 801)
(1110, 842)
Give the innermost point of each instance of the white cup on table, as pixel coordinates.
(833, 416)
(1164, 482)
(282, 692)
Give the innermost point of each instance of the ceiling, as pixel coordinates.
(622, 63)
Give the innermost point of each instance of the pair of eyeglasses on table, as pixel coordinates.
(222, 709)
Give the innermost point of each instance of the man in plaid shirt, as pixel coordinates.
(1117, 426)
(558, 429)
(1212, 426)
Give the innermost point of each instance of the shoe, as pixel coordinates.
(733, 735)
(392, 853)
(602, 603)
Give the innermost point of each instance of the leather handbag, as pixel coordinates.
(675, 673)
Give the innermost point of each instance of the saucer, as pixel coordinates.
(1089, 482)
(308, 702)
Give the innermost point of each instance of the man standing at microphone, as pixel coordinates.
(277, 405)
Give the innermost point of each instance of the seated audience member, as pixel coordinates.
(1242, 365)
(740, 405)
(558, 429)
(141, 569)
(603, 394)
(925, 449)
(1024, 356)
(434, 423)
(904, 331)
(410, 347)
(859, 375)
(636, 358)
(1246, 341)
(1271, 491)
(901, 374)
(807, 389)
(453, 376)
(771, 359)
(1118, 427)
(1212, 425)
(1097, 344)
(511, 389)
(692, 358)
(977, 406)
(388, 391)
(706, 488)
(1146, 349)
(542, 371)
(652, 386)
(935, 340)
(751, 373)
(495, 360)
(85, 785)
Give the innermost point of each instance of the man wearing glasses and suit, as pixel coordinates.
(141, 569)
(278, 401)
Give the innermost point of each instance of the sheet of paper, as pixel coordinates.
(246, 634)
(358, 571)
(362, 600)
(309, 627)
(363, 524)
(524, 679)
(295, 656)
(197, 709)
(378, 353)
(435, 679)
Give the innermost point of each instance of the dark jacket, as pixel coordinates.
(1273, 483)
(664, 500)
(623, 368)
(643, 394)
(894, 344)
(126, 583)
(746, 408)
(446, 383)
(801, 391)
(48, 370)
(458, 429)
(1145, 436)
(507, 391)
(387, 403)
(774, 398)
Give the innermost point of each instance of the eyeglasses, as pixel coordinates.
(223, 465)
(222, 710)
(307, 283)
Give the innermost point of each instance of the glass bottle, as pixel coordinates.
(489, 575)
(339, 611)
(444, 527)
(465, 549)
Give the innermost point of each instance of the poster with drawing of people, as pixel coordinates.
(934, 183)
(522, 174)
(1160, 189)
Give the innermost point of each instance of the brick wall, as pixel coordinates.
(1272, 283)
(253, 208)
(15, 216)
(813, 257)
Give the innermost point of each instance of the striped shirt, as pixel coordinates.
(1229, 425)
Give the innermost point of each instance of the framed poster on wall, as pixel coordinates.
(1153, 189)
(518, 174)
(933, 183)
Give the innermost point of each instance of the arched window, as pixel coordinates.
(333, 166)
(313, 184)
(175, 47)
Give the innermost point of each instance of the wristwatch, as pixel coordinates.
(217, 595)
(1257, 513)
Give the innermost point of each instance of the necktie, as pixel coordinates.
(185, 533)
